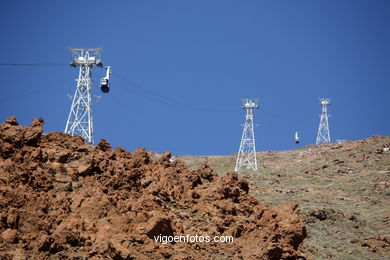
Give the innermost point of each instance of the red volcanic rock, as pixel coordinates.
(60, 197)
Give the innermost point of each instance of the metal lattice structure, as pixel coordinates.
(323, 135)
(80, 121)
(246, 158)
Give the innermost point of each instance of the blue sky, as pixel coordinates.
(205, 55)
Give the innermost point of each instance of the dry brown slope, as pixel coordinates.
(62, 198)
(342, 190)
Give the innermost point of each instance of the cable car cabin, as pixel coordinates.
(296, 138)
(104, 85)
(105, 82)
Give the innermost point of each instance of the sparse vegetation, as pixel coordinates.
(348, 183)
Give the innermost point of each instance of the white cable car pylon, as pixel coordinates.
(80, 120)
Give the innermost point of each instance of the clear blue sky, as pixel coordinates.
(207, 55)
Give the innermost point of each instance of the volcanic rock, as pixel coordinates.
(62, 198)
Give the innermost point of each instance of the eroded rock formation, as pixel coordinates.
(61, 197)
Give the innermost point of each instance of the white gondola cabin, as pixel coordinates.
(296, 138)
(105, 82)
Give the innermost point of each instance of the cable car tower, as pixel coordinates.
(80, 121)
(323, 135)
(246, 158)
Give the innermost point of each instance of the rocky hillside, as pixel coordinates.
(61, 198)
(342, 190)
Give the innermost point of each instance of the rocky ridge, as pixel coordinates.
(62, 197)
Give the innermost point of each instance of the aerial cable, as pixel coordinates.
(137, 92)
(167, 99)
(149, 94)
(139, 86)
(48, 64)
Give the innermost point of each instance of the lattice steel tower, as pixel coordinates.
(80, 121)
(323, 135)
(246, 158)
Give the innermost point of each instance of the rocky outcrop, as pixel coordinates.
(61, 197)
